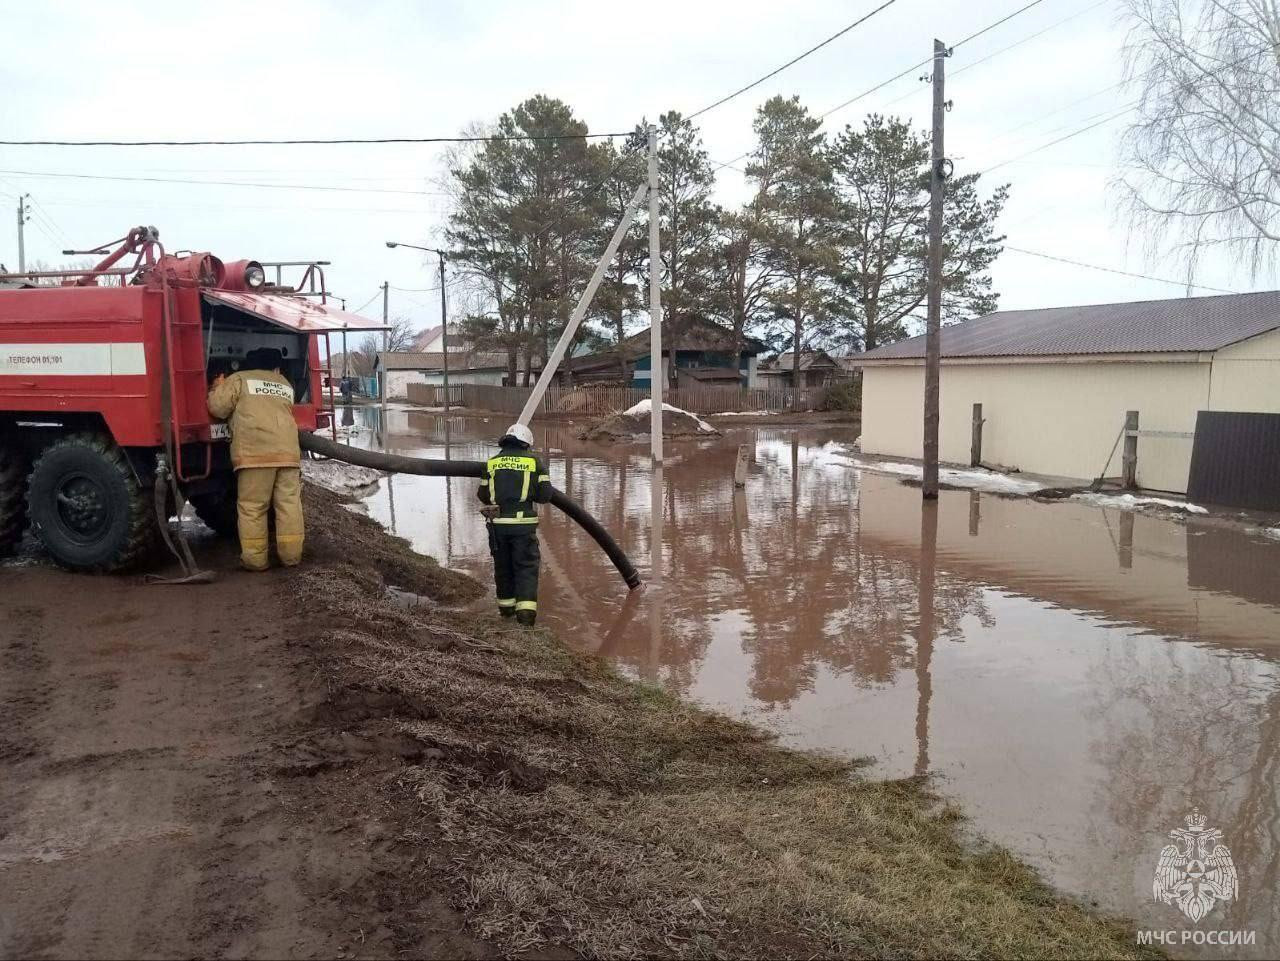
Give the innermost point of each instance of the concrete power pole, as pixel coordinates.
(655, 304)
(386, 339)
(933, 325)
(24, 213)
(444, 334)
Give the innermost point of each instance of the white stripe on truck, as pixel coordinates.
(73, 360)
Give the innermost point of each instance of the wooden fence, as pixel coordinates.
(607, 400)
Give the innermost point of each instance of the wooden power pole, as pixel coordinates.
(933, 324)
(386, 339)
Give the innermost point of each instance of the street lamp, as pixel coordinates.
(444, 314)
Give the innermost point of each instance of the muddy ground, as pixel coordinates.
(299, 765)
(174, 785)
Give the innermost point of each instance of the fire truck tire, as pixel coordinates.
(13, 497)
(87, 507)
(218, 511)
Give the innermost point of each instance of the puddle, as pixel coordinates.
(1077, 676)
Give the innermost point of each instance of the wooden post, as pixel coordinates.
(1129, 462)
(1125, 548)
(740, 467)
(975, 445)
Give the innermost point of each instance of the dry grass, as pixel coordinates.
(568, 807)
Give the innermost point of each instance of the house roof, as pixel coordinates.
(1190, 324)
(689, 332)
(425, 337)
(808, 359)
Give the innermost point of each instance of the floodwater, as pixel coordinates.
(1077, 678)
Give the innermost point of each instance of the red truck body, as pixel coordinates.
(100, 350)
(125, 370)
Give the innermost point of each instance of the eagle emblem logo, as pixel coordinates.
(1196, 871)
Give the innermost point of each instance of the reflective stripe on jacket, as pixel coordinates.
(258, 404)
(516, 481)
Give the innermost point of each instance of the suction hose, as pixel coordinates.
(397, 464)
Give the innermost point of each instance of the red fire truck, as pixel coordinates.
(104, 375)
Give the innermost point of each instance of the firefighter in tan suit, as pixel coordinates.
(258, 403)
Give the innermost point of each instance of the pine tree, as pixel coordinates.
(526, 216)
(791, 167)
(882, 182)
(620, 295)
(689, 228)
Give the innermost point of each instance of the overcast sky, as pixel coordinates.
(321, 69)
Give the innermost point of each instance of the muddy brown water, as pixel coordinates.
(1077, 678)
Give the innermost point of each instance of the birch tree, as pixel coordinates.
(1204, 150)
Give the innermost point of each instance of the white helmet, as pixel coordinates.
(521, 433)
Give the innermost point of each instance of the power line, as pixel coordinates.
(1017, 43)
(1029, 37)
(792, 62)
(898, 76)
(1058, 140)
(1113, 270)
(301, 142)
(991, 26)
(959, 43)
(226, 183)
(367, 302)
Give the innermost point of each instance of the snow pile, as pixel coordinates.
(336, 476)
(645, 407)
(635, 422)
(982, 480)
(1133, 502)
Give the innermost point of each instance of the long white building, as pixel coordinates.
(1055, 384)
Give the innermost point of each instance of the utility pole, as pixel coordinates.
(24, 214)
(655, 304)
(933, 326)
(444, 333)
(386, 339)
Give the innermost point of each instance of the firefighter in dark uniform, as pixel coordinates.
(515, 483)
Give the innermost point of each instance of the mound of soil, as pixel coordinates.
(337, 534)
(633, 423)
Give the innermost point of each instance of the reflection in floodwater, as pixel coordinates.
(1077, 677)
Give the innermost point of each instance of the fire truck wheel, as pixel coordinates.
(87, 508)
(218, 511)
(13, 497)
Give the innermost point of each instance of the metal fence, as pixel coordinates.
(608, 400)
(1235, 460)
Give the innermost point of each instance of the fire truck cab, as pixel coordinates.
(104, 375)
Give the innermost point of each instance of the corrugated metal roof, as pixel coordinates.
(1148, 326)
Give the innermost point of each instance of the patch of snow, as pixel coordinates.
(1136, 502)
(976, 479)
(336, 476)
(646, 407)
(747, 413)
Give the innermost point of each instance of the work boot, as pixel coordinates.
(507, 612)
(526, 618)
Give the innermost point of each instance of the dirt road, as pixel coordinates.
(305, 764)
(151, 771)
